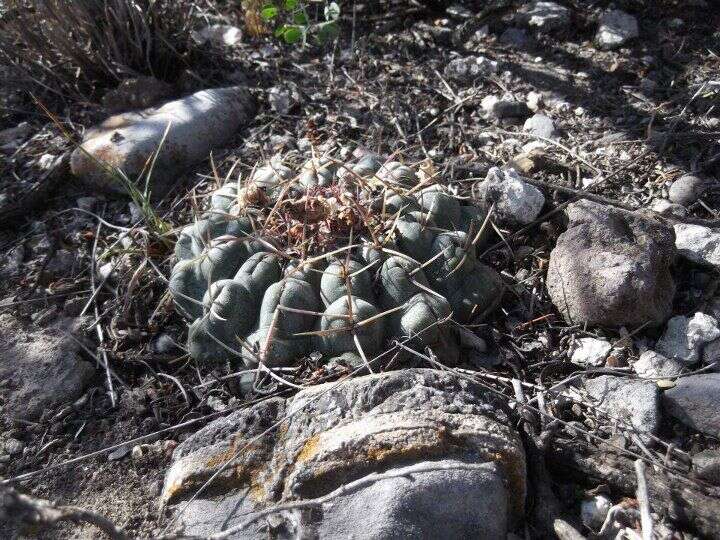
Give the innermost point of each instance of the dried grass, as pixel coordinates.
(70, 47)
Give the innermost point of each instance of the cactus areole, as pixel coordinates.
(341, 259)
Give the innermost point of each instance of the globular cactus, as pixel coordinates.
(342, 259)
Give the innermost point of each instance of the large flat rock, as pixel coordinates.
(451, 465)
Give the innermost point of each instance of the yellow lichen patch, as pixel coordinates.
(309, 449)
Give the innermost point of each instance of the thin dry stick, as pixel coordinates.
(40, 512)
(643, 500)
(98, 328)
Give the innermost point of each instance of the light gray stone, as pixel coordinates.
(544, 15)
(653, 365)
(195, 125)
(433, 437)
(698, 244)
(591, 352)
(684, 338)
(612, 268)
(634, 401)
(687, 189)
(516, 202)
(219, 35)
(469, 67)
(695, 401)
(540, 125)
(41, 368)
(504, 108)
(666, 208)
(616, 28)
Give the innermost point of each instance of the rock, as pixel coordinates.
(593, 511)
(461, 69)
(12, 138)
(686, 190)
(14, 447)
(684, 338)
(197, 124)
(515, 37)
(137, 93)
(616, 28)
(42, 368)
(540, 125)
(432, 436)
(698, 244)
(666, 208)
(280, 99)
(534, 101)
(516, 202)
(591, 352)
(652, 365)
(219, 35)
(707, 466)
(711, 354)
(612, 268)
(87, 203)
(633, 401)
(695, 401)
(62, 263)
(544, 15)
(501, 109)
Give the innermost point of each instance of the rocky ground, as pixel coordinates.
(592, 131)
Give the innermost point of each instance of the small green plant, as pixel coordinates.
(294, 25)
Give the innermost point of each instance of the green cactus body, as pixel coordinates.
(333, 284)
(250, 296)
(401, 279)
(440, 207)
(395, 173)
(336, 317)
(317, 172)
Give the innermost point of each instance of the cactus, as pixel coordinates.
(342, 259)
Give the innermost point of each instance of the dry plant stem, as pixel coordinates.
(45, 514)
(643, 501)
(98, 328)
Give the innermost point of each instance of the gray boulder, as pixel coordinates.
(39, 368)
(695, 401)
(195, 125)
(616, 28)
(698, 244)
(449, 463)
(637, 402)
(612, 268)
